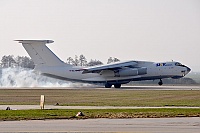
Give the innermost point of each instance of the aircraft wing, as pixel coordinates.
(113, 66)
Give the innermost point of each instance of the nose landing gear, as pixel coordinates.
(160, 82)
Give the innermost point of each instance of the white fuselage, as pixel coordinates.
(154, 71)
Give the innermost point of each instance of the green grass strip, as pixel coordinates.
(101, 97)
(9, 115)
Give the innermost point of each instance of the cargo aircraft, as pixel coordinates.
(118, 73)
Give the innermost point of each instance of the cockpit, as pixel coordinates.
(181, 65)
(177, 64)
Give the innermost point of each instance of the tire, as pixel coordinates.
(107, 85)
(117, 85)
(160, 82)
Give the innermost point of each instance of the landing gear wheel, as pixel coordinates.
(107, 85)
(117, 85)
(160, 82)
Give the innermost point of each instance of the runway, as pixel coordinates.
(125, 87)
(147, 125)
(163, 87)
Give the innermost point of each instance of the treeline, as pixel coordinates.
(26, 62)
(19, 61)
(82, 61)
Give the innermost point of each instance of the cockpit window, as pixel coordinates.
(178, 64)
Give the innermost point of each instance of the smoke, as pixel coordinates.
(21, 77)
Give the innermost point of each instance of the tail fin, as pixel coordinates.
(40, 53)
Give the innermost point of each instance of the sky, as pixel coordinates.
(148, 30)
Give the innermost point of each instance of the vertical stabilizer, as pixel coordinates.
(40, 53)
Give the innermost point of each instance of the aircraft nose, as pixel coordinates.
(188, 69)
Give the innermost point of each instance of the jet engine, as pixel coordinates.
(142, 70)
(131, 72)
(126, 72)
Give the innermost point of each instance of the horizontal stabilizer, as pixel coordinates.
(34, 41)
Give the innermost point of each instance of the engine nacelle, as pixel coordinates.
(127, 72)
(131, 72)
(142, 71)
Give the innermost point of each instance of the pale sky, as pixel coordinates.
(150, 30)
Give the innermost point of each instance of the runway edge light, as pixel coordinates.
(42, 101)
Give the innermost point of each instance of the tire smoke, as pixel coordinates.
(21, 77)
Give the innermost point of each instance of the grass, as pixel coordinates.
(101, 97)
(6, 115)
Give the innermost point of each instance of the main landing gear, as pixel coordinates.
(107, 85)
(160, 82)
(117, 85)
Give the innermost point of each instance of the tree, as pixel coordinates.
(28, 63)
(24, 61)
(94, 63)
(70, 60)
(116, 60)
(112, 59)
(76, 61)
(8, 61)
(82, 60)
(19, 61)
(109, 60)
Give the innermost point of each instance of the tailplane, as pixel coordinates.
(40, 53)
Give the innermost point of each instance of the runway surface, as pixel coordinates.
(147, 125)
(125, 87)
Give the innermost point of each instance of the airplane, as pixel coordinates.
(118, 73)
